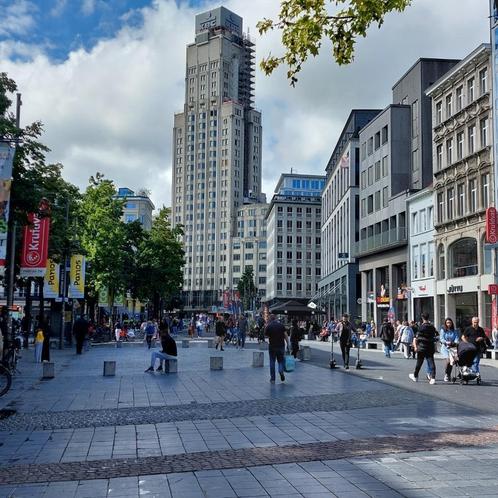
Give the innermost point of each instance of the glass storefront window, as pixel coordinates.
(463, 258)
(487, 259)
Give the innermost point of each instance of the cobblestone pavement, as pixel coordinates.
(232, 433)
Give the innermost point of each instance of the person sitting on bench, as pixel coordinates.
(169, 351)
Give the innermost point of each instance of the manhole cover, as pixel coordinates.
(6, 413)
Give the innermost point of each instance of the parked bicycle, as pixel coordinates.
(8, 366)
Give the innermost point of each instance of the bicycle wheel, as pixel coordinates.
(5, 380)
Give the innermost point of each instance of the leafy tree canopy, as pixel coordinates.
(246, 287)
(304, 25)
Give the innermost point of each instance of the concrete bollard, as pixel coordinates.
(263, 346)
(109, 368)
(170, 366)
(48, 370)
(371, 345)
(304, 353)
(119, 344)
(216, 362)
(185, 343)
(210, 343)
(258, 359)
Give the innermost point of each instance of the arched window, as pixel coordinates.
(441, 268)
(463, 258)
(487, 259)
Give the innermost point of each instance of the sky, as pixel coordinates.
(106, 77)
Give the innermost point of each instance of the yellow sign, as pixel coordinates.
(51, 280)
(77, 277)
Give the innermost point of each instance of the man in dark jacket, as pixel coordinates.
(220, 329)
(169, 351)
(277, 338)
(387, 336)
(80, 330)
(345, 331)
(424, 343)
(476, 336)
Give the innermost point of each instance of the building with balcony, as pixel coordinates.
(462, 113)
(293, 226)
(137, 206)
(339, 286)
(421, 255)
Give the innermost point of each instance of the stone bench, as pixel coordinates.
(263, 346)
(216, 362)
(109, 368)
(304, 353)
(169, 366)
(48, 370)
(258, 359)
(492, 354)
(185, 343)
(371, 345)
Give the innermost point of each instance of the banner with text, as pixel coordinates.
(35, 246)
(4, 218)
(6, 160)
(51, 281)
(77, 277)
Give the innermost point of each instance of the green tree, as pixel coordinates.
(305, 24)
(247, 288)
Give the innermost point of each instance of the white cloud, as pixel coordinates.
(88, 7)
(111, 109)
(58, 8)
(16, 18)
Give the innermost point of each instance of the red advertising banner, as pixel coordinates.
(494, 317)
(491, 225)
(35, 246)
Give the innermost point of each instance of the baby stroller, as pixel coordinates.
(462, 361)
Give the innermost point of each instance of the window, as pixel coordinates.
(439, 112)
(483, 131)
(449, 105)
(459, 98)
(463, 258)
(485, 189)
(430, 258)
(449, 151)
(370, 145)
(363, 207)
(415, 119)
(487, 259)
(471, 139)
(470, 91)
(377, 140)
(377, 200)
(370, 175)
(415, 223)
(483, 81)
(450, 197)
(472, 195)
(459, 145)
(461, 199)
(384, 135)
(423, 260)
(363, 179)
(440, 207)
(370, 204)
(415, 258)
(385, 197)
(441, 263)
(439, 157)
(384, 167)
(377, 171)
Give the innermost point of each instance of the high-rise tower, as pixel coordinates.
(216, 152)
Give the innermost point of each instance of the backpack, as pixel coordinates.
(149, 330)
(407, 335)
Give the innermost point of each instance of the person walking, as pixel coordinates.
(475, 335)
(386, 335)
(494, 337)
(243, 324)
(424, 344)
(277, 339)
(150, 331)
(295, 337)
(220, 331)
(406, 339)
(345, 332)
(449, 338)
(168, 352)
(80, 330)
(38, 345)
(117, 331)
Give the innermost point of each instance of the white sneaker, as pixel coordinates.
(446, 378)
(432, 381)
(415, 379)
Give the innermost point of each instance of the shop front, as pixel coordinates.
(422, 299)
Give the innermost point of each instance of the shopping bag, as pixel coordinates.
(289, 363)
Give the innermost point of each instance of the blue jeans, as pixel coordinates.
(387, 348)
(162, 356)
(278, 355)
(475, 363)
(242, 339)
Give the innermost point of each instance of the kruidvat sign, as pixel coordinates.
(35, 246)
(218, 18)
(491, 225)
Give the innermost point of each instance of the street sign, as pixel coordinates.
(491, 225)
(493, 289)
(359, 300)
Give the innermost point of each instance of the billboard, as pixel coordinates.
(77, 277)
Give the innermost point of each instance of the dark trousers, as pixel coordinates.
(148, 338)
(276, 354)
(294, 349)
(345, 347)
(429, 356)
(79, 344)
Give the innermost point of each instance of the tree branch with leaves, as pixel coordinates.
(305, 24)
